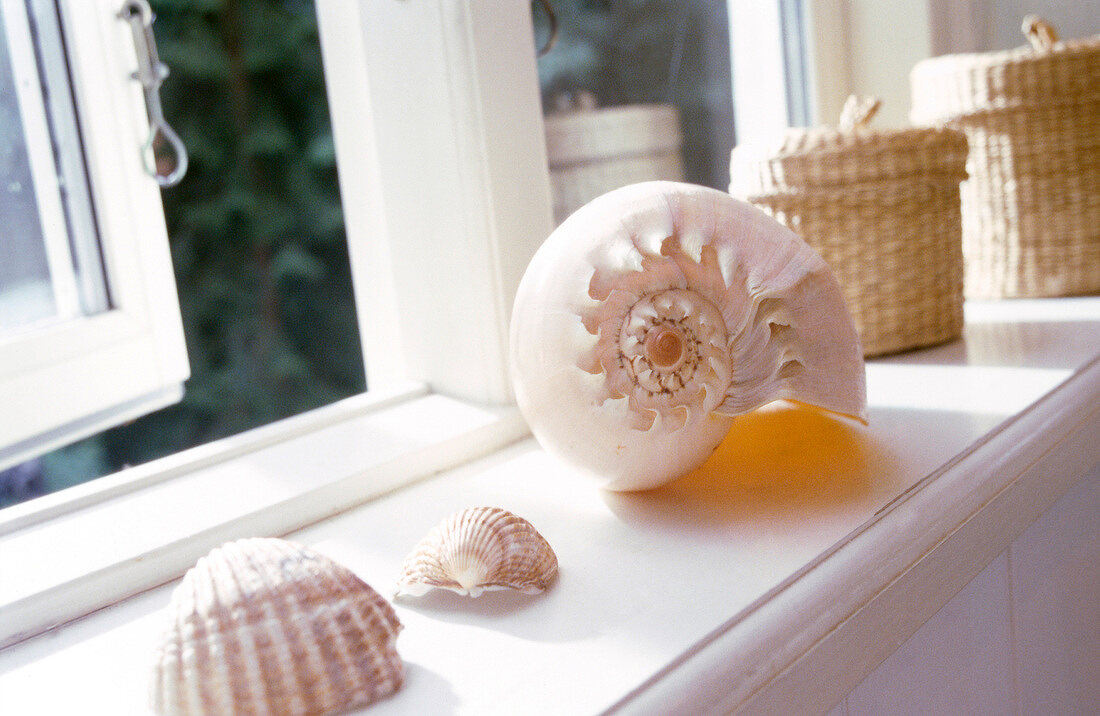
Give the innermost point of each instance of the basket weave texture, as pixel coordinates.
(882, 209)
(1031, 207)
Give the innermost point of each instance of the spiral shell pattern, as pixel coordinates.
(667, 353)
(265, 626)
(479, 549)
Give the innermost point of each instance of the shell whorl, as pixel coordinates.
(680, 340)
(667, 355)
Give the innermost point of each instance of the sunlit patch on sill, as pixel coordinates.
(989, 390)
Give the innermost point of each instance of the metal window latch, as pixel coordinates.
(151, 73)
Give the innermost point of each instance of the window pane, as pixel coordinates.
(68, 150)
(50, 267)
(26, 294)
(257, 237)
(634, 90)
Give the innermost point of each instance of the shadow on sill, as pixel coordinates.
(784, 461)
(786, 470)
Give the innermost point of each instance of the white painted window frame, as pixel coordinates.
(759, 71)
(802, 645)
(32, 107)
(865, 47)
(75, 377)
(450, 168)
(446, 196)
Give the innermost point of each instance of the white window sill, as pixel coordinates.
(776, 587)
(88, 547)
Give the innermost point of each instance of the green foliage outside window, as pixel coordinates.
(256, 232)
(256, 228)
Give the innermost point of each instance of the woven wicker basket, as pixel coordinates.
(1031, 208)
(592, 151)
(882, 209)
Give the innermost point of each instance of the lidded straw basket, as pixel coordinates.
(1031, 208)
(882, 209)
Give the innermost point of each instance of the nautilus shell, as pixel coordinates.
(265, 626)
(657, 313)
(479, 549)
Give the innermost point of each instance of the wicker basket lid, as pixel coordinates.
(587, 133)
(853, 153)
(1048, 71)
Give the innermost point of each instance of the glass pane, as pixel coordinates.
(634, 90)
(50, 265)
(257, 236)
(26, 290)
(68, 151)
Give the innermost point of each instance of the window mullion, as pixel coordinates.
(439, 139)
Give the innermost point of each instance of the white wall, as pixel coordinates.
(1023, 637)
(888, 38)
(870, 46)
(995, 24)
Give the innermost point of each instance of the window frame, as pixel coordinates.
(468, 163)
(800, 646)
(440, 227)
(32, 106)
(131, 358)
(468, 174)
(759, 65)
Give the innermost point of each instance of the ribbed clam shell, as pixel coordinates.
(478, 549)
(266, 626)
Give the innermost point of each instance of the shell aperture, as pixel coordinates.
(657, 313)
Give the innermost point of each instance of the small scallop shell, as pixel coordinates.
(268, 626)
(479, 549)
(660, 311)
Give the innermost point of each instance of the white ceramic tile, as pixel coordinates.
(958, 662)
(1055, 568)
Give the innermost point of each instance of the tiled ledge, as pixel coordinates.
(772, 580)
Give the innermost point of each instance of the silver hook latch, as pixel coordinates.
(151, 73)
